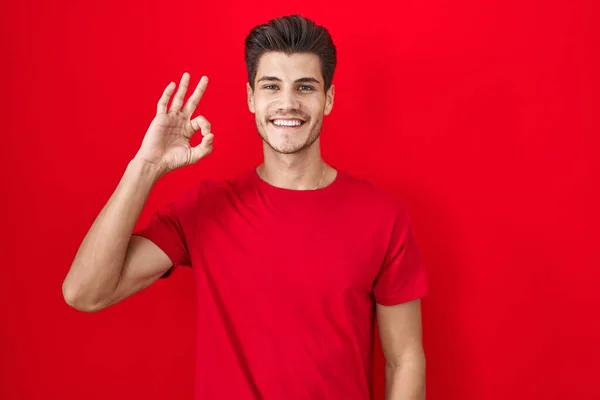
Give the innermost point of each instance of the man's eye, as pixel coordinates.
(306, 88)
(271, 87)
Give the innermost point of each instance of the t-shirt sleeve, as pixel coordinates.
(402, 276)
(165, 230)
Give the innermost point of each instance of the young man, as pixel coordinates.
(293, 260)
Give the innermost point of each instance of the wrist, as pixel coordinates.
(145, 169)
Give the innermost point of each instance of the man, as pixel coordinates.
(293, 260)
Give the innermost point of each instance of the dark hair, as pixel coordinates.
(291, 34)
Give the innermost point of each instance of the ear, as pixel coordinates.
(329, 96)
(250, 93)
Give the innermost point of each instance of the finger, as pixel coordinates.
(201, 124)
(161, 106)
(181, 90)
(192, 103)
(204, 148)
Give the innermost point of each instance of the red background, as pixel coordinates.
(481, 115)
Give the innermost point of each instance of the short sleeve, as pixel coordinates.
(402, 276)
(165, 230)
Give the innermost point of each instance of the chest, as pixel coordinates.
(289, 252)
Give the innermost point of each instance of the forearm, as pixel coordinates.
(405, 379)
(97, 266)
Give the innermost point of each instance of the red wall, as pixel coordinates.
(481, 115)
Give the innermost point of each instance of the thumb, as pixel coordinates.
(204, 148)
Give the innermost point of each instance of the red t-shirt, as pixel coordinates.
(286, 282)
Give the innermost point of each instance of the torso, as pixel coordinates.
(284, 283)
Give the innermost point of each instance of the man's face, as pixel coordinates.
(289, 100)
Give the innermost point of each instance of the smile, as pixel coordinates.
(287, 122)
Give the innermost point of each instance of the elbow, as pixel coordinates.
(409, 359)
(77, 299)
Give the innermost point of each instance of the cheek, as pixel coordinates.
(261, 107)
(317, 111)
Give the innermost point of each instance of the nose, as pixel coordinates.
(288, 101)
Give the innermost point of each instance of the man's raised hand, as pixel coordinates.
(167, 141)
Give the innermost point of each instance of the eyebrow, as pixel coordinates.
(306, 79)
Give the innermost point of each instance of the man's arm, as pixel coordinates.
(111, 263)
(400, 332)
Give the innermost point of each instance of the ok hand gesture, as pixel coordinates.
(167, 141)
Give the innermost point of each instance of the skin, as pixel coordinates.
(400, 333)
(112, 264)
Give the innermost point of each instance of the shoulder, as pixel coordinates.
(380, 210)
(368, 193)
(209, 191)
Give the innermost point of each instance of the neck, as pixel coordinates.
(298, 171)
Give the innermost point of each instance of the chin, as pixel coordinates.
(284, 145)
(287, 146)
(287, 149)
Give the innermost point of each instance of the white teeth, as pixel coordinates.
(286, 122)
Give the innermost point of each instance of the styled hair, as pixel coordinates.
(291, 34)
